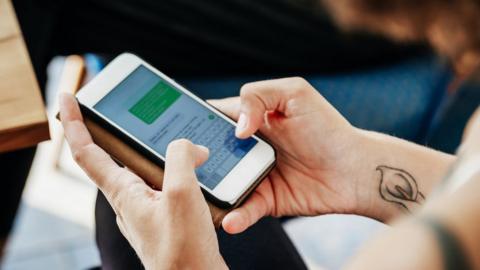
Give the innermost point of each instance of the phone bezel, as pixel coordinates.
(233, 188)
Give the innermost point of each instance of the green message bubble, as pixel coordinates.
(155, 102)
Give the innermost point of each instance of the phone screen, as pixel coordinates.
(156, 113)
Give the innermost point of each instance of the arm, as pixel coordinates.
(413, 244)
(398, 175)
(445, 233)
(325, 165)
(429, 165)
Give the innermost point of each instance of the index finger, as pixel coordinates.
(229, 106)
(181, 160)
(98, 165)
(258, 98)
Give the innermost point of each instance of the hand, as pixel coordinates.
(168, 229)
(315, 146)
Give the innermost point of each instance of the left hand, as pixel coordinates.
(168, 229)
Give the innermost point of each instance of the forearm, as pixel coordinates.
(415, 244)
(395, 176)
(406, 245)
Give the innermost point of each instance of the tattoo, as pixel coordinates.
(399, 187)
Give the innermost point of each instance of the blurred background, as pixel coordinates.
(54, 228)
(403, 89)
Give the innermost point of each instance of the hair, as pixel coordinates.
(452, 27)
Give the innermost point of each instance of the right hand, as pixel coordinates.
(171, 228)
(316, 150)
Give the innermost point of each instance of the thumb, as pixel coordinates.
(259, 204)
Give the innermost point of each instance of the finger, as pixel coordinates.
(265, 96)
(229, 106)
(240, 219)
(202, 153)
(98, 165)
(75, 131)
(472, 129)
(181, 160)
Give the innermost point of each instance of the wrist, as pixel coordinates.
(379, 160)
(351, 164)
(214, 262)
(395, 176)
(366, 147)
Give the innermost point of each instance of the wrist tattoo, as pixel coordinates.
(399, 187)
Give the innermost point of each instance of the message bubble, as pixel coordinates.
(155, 102)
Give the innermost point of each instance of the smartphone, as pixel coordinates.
(148, 110)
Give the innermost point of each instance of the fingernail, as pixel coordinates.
(237, 223)
(241, 124)
(203, 149)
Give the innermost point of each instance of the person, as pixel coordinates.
(343, 175)
(216, 39)
(349, 170)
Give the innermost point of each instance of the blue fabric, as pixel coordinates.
(398, 100)
(446, 131)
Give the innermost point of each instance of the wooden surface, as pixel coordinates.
(23, 120)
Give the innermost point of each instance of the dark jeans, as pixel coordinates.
(254, 38)
(15, 166)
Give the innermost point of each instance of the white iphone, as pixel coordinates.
(149, 110)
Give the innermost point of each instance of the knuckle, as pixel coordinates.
(80, 155)
(118, 195)
(180, 144)
(178, 193)
(299, 83)
(119, 222)
(121, 226)
(116, 200)
(118, 219)
(247, 89)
